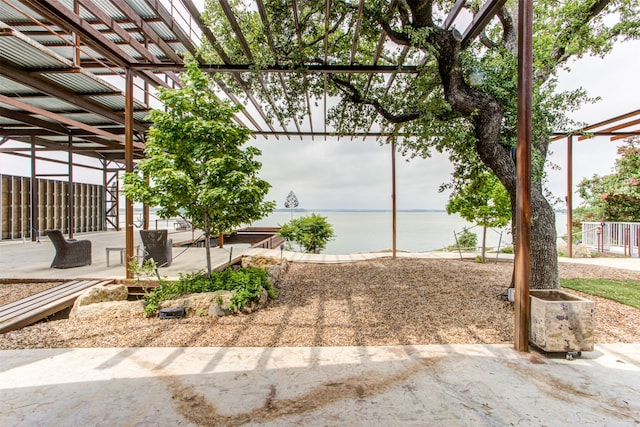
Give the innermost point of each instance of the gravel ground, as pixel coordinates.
(10, 292)
(381, 302)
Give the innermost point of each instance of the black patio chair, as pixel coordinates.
(69, 252)
(157, 246)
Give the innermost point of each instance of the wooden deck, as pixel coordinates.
(31, 309)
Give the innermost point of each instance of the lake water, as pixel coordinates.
(416, 231)
(371, 231)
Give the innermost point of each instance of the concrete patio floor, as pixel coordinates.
(31, 260)
(452, 385)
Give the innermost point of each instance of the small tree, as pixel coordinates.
(616, 197)
(291, 202)
(484, 201)
(195, 162)
(311, 232)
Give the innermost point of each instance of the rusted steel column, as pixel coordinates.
(76, 38)
(145, 207)
(570, 196)
(35, 220)
(128, 164)
(393, 199)
(523, 174)
(71, 203)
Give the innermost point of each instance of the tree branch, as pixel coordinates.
(509, 30)
(353, 94)
(560, 53)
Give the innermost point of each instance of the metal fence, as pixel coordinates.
(614, 237)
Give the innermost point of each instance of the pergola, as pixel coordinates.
(616, 128)
(58, 59)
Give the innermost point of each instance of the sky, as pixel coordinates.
(352, 174)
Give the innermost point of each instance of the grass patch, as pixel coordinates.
(623, 291)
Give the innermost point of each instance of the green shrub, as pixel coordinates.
(466, 241)
(246, 283)
(507, 250)
(310, 232)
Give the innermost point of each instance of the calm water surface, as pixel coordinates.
(416, 231)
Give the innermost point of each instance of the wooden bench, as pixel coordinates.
(31, 309)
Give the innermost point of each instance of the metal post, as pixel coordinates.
(523, 173)
(393, 199)
(71, 203)
(128, 160)
(570, 196)
(35, 220)
(145, 209)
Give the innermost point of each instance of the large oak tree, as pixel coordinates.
(461, 101)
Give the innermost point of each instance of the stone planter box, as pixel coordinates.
(560, 322)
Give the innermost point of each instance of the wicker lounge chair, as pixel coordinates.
(157, 246)
(69, 253)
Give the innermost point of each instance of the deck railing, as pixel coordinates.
(614, 237)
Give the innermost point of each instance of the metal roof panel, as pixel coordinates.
(17, 49)
(81, 82)
(50, 104)
(10, 87)
(142, 8)
(9, 13)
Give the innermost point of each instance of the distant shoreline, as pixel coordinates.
(359, 210)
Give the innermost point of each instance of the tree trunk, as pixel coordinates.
(207, 242)
(487, 114)
(484, 242)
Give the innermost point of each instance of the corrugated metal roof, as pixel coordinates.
(45, 58)
(11, 87)
(116, 102)
(9, 13)
(50, 104)
(81, 82)
(162, 30)
(26, 53)
(142, 8)
(4, 121)
(91, 119)
(110, 9)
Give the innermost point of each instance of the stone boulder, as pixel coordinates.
(195, 305)
(259, 261)
(109, 309)
(100, 294)
(256, 305)
(275, 267)
(106, 293)
(222, 309)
